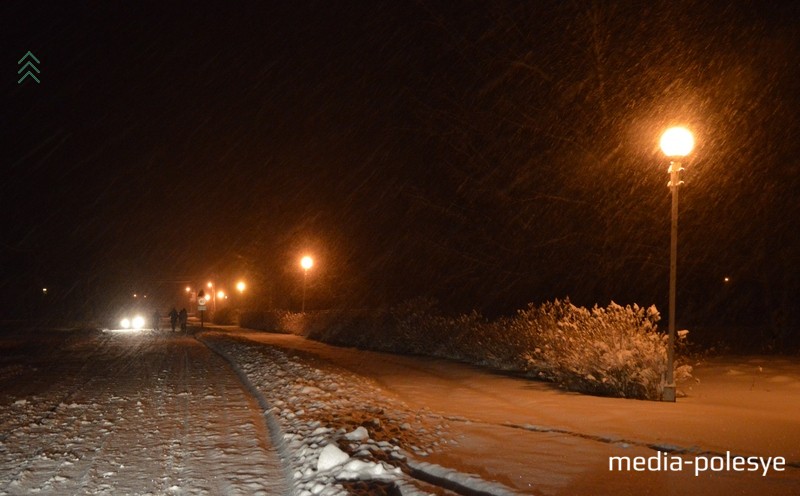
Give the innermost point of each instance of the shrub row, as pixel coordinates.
(611, 351)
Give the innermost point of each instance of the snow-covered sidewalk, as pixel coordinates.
(530, 437)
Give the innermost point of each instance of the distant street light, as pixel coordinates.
(190, 295)
(240, 286)
(306, 263)
(213, 297)
(676, 142)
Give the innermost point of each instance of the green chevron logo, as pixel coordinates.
(28, 59)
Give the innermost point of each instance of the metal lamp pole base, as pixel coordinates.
(668, 393)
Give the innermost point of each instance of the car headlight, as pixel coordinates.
(125, 323)
(138, 322)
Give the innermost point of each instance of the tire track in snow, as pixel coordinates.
(273, 428)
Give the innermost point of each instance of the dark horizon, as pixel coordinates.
(486, 155)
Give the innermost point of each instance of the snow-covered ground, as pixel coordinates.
(227, 411)
(533, 438)
(339, 432)
(128, 413)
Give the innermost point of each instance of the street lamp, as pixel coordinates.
(213, 297)
(676, 142)
(306, 263)
(240, 286)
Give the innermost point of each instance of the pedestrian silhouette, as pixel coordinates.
(183, 318)
(156, 321)
(173, 318)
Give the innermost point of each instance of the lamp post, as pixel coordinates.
(676, 142)
(213, 297)
(240, 287)
(306, 263)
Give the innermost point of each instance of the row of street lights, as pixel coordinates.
(215, 293)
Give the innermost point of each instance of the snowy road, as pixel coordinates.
(128, 413)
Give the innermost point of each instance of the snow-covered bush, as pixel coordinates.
(264, 320)
(223, 316)
(611, 351)
(361, 328)
(297, 323)
(418, 327)
(495, 344)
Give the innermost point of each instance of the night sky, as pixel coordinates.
(485, 154)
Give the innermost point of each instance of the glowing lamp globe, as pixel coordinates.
(677, 142)
(306, 263)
